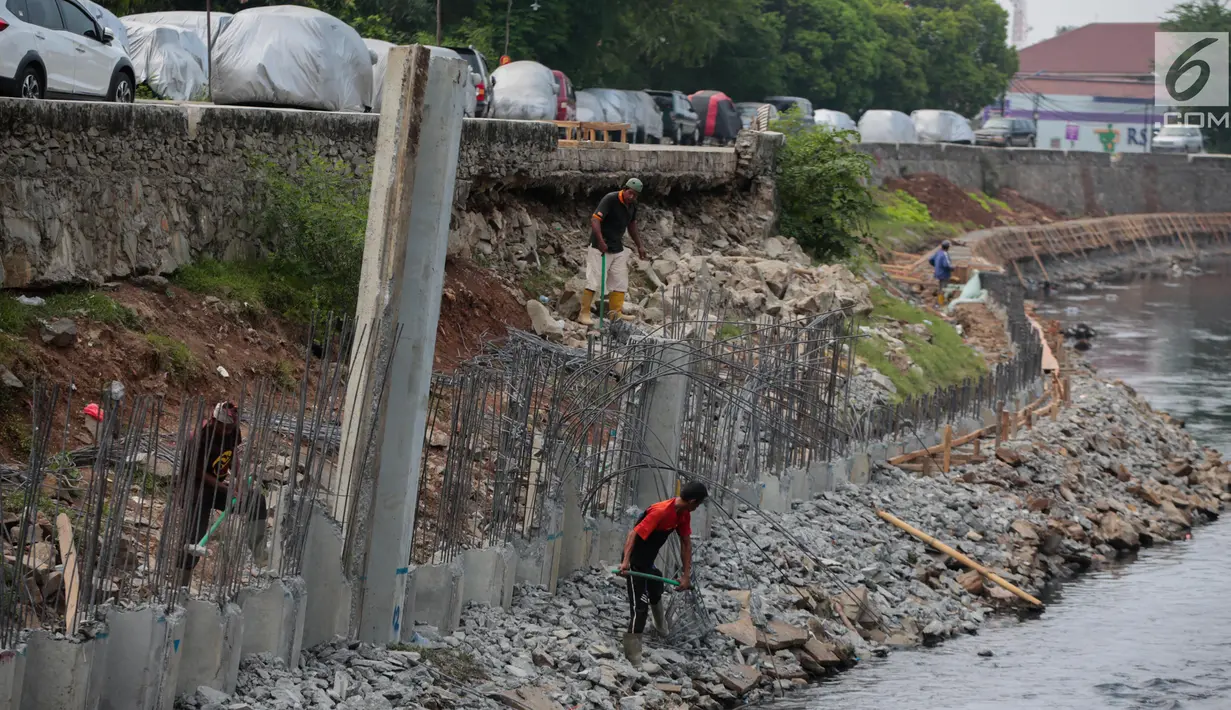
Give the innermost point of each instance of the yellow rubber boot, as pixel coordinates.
(587, 299)
(617, 306)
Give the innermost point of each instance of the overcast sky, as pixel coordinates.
(1044, 16)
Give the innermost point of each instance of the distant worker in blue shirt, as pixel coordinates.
(942, 268)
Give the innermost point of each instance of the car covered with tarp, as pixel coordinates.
(720, 121)
(879, 126)
(589, 108)
(938, 126)
(528, 92)
(380, 49)
(292, 56)
(836, 120)
(170, 60)
(636, 108)
(192, 20)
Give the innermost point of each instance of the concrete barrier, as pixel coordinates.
(274, 619)
(12, 673)
(213, 644)
(438, 591)
(328, 604)
(63, 674)
(490, 575)
(142, 665)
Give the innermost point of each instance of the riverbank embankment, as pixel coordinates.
(810, 592)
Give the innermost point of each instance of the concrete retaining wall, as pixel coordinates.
(1075, 183)
(274, 619)
(142, 669)
(12, 675)
(213, 640)
(63, 675)
(327, 607)
(96, 191)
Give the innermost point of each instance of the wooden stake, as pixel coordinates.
(72, 582)
(987, 573)
(1000, 424)
(977, 442)
(947, 449)
(1029, 419)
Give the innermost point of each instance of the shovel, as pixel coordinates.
(643, 575)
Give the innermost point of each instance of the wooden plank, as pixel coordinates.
(72, 581)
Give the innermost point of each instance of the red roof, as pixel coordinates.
(1099, 48)
(1121, 89)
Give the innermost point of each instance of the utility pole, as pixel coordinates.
(508, 19)
(439, 27)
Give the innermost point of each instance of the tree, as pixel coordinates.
(1064, 28)
(901, 83)
(830, 51)
(969, 60)
(1203, 16)
(822, 186)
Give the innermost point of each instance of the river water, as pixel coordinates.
(1152, 634)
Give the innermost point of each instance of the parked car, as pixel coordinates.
(56, 49)
(485, 88)
(1007, 132)
(880, 126)
(787, 103)
(720, 122)
(566, 98)
(1179, 139)
(936, 126)
(680, 122)
(748, 112)
(837, 120)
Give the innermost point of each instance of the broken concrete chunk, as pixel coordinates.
(541, 320)
(9, 379)
(742, 631)
(782, 635)
(61, 333)
(740, 679)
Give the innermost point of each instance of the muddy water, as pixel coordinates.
(1153, 634)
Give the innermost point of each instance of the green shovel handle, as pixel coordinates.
(217, 522)
(643, 575)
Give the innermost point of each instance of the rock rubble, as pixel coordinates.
(804, 595)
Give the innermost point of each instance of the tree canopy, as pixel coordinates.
(847, 55)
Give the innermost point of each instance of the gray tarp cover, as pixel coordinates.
(886, 127)
(589, 108)
(186, 19)
(381, 48)
(170, 60)
(107, 19)
(937, 126)
(523, 91)
(635, 108)
(836, 119)
(292, 56)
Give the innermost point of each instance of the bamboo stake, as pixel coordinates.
(987, 573)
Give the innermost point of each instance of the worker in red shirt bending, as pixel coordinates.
(640, 553)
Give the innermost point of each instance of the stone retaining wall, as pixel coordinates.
(94, 191)
(1076, 184)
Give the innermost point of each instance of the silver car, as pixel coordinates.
(1179, 139)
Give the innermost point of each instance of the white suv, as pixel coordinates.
(55, 49)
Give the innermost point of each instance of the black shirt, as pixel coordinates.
(211, 451)
(615, 217)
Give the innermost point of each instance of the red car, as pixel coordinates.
(566, 98)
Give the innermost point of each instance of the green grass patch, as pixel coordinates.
(544, 281)
(16, 317)
(943, 362)
(991, 204)
(175, 358)
(14, 503)
(901, 222)
(312, 227)
(728, 331)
